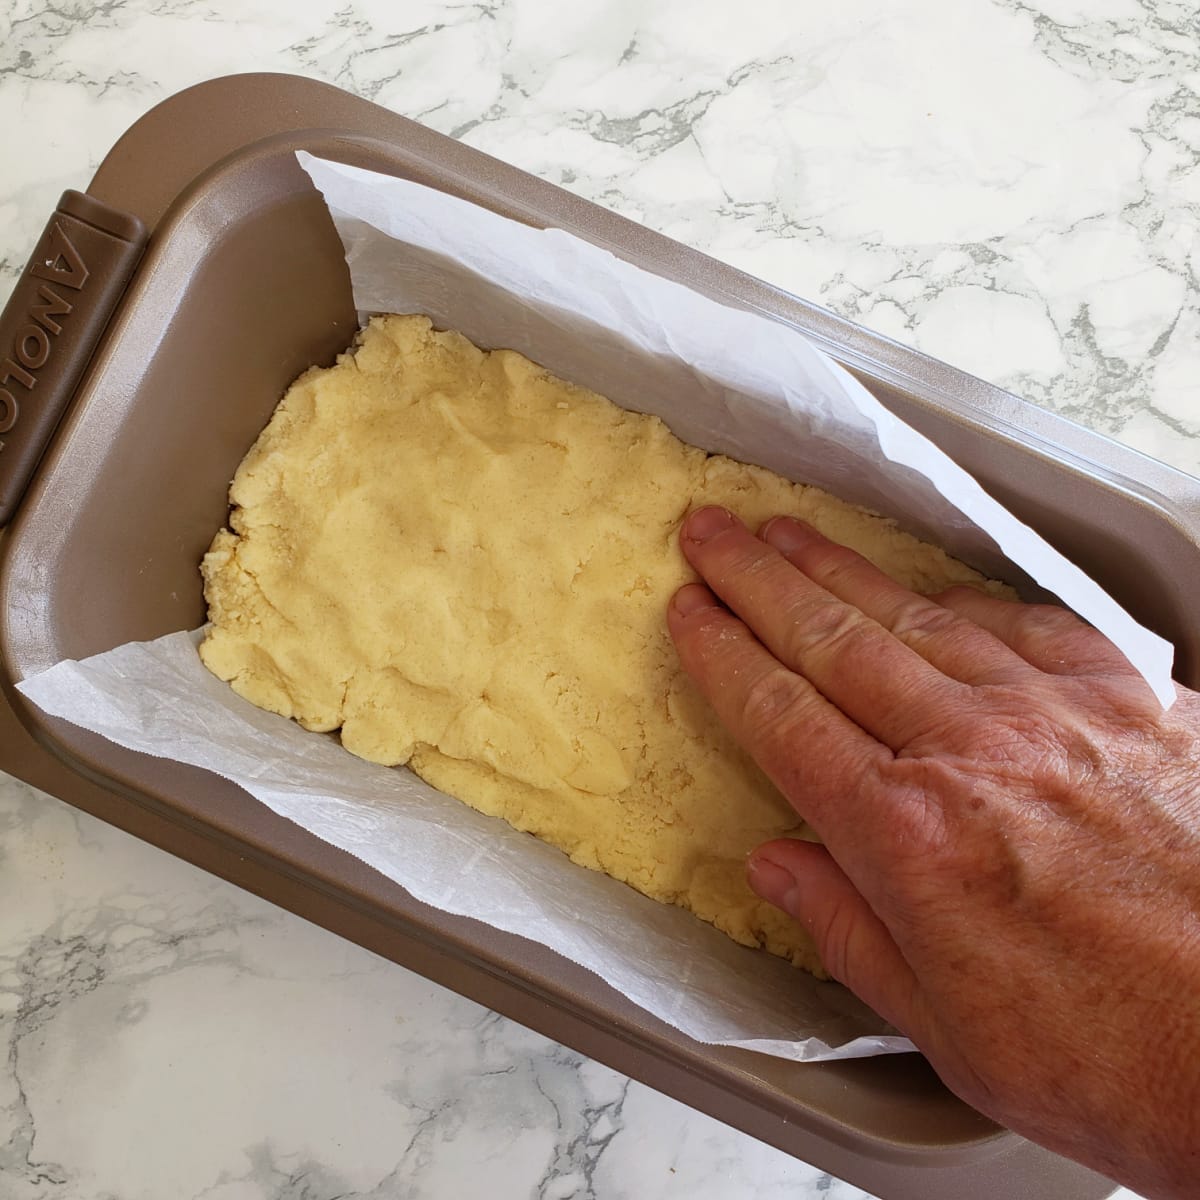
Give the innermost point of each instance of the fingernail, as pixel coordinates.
(706, 523)
(787, 534)
(772, 882)
(692, 598)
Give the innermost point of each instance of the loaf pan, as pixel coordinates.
(209, 275)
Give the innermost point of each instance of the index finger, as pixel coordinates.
(817, 757)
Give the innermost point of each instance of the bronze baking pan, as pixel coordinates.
(114, 475)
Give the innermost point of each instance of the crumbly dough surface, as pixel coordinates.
(464, 564)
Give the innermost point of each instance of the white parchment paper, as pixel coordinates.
(723, 379)
(157, 697)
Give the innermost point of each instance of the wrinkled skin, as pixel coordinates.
(1011, 826)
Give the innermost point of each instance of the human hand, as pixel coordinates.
(1011, 824)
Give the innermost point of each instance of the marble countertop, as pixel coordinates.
(1010, 185)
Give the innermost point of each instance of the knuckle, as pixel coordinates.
(1061, 637)
(770, 700)
(736, 553)
(755, 565)
(743, 572)
(827, 623)
(920, 622)
(1021, 745)
(1051, 618)
(918, 824)
(834, 933)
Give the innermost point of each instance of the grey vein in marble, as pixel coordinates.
(144, 1001)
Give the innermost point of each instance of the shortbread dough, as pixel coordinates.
(464, 564)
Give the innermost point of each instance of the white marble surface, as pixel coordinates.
(1011, 185)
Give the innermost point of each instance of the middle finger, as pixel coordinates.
(962, 648)
(857, 664)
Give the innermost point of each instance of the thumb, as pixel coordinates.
(802, 879)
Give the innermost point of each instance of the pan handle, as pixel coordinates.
(52, 324)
